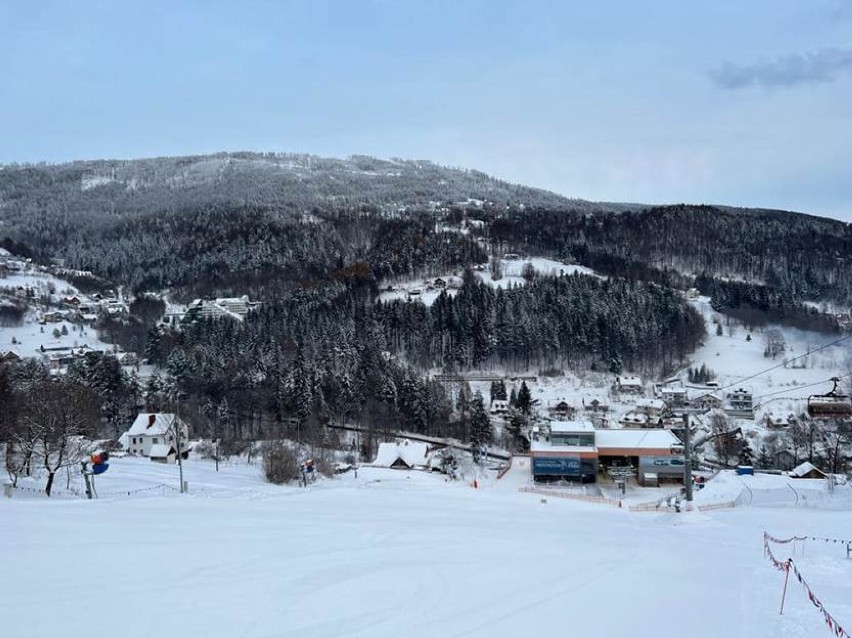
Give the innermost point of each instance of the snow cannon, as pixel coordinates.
(99, 462)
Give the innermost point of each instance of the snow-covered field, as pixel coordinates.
(511, 276)
(30, 336)
(399, 554)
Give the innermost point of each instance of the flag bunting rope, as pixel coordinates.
(789, 566)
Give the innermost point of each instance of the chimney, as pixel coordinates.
(151, 419)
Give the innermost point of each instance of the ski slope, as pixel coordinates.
(393, 553)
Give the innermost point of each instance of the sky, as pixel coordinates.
(728, 102)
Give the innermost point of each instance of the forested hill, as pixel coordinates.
(263, 223)
(297, 183)
(804, 256)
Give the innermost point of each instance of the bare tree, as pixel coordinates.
(59, 416)
(835, 438)
(774, 343)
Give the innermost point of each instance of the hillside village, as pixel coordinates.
(752, 423)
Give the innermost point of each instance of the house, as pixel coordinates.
(562, 410)
(674, 396)
(440, 283)
(163, 453)
(777, 421)
(407, 455)
(153, 429)
(807, 471)
(740, 403)
(127, 358)
(10, 356)
(499, 406)
(692, 293)
(651, 407)
(636, 420)
(595, 404)
(628, 385)
(703, 401)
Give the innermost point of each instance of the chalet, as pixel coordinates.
(692, 293)
(127, 358)
(562, 410)
(807, 471)
(674, 396)
(415, 292)
(740, 403)
(595, 404)
(114, 307)
(54, 316)
(407, 455)
(703, 401)
(153, 429)
(628, 385)
(499, 406)
(651, 407)
(440, 283)
(778, 421)
(10, 356)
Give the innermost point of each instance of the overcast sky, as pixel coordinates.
(742, 102)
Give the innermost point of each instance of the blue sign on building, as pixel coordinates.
(556, 466)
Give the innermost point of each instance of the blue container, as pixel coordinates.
(745, 470)
(100, 468)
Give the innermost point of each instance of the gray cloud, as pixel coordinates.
(821, 66)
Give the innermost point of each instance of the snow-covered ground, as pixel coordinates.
(395, 553)
(511, 271)
(30, 336)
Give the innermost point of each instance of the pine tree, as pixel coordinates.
(481, 433)
(524, 400)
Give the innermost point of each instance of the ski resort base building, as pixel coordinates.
(576, 451)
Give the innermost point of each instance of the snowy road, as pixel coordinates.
(397, 554)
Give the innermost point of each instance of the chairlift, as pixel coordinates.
(832, 405)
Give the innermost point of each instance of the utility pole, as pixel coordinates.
(177, 427)
(687, 466)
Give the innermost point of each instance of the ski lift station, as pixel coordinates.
(576, 450)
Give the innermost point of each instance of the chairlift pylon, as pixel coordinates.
(832, 405)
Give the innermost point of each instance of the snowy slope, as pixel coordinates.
(403, 554)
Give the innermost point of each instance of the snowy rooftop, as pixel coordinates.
(629, 380)
(160, 450)
(145, 424)
(804, 468)
(412, 453)
(649, 439)
(571, 426)
(548, 446)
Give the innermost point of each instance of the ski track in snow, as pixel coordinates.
(394, 553)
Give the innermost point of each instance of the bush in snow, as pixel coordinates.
(280, 463)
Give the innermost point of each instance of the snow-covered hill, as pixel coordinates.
(394, 553)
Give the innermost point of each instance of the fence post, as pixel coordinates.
(786, 578)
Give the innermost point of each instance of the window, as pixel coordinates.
(155, 441)
(134, 439)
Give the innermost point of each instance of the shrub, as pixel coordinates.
(280, 464)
